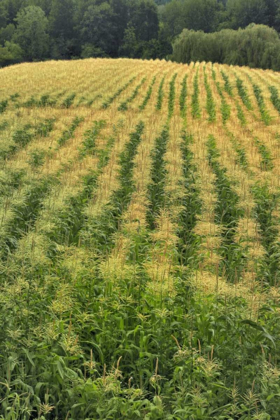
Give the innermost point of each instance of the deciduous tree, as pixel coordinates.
(31, 33)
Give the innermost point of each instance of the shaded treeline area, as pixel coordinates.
(35, 30)
(255, 46)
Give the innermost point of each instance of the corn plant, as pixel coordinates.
(243, 93)
(68, 101)
(225, 107)
(266, 162)
(241, 157)
(24, 215)
(3, 106)
(173, 314)
(90, 138)
(240, 114)
(44, 128)
(111, 99)
(68, 134)
(274, 97)
(227, 85)
(102, 238)
(160, 95)
(266, 202)
(196, 113)
(210, 104)
(156, 193)
(171, 98)
(124, 105)
(227, 214)
(4, 125)
(261, 104)
(183, 96)
(188, 242)
(148, 95)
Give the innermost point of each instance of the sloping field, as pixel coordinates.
(139, 241)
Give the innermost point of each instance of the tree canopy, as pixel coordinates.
(68, 29)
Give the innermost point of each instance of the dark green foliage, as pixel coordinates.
(111, 99)
(188, 242)
(261, 104)
(255, 46)
(183, 96)
(225, 107)
(148, 95)
(99, 232)
(25, 215)
(44, 128)
(23, 137)
(31, 33)
(171, 98)
(68, 101)
(240, 14)
(63, 29)
(3, 106)
(266, 162)
(71, 220)
(90, 136)
(12, 181)
(274, 97)
(43, 102)
(241, 158)
(68, 134)
(124, 105)
(242, 91)
(10, 53)
(91, 101)
(196, 113)
(4, 125)
(197, 342)
(225, 110)
(267, 202)
(199, 15)
(160, 95)
(210, 104)
(14, 97)
(227, 214)
(156, 193)
(240, 114)
(30, 103)
(228, 87)
(37, 158)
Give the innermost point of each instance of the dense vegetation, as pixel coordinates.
(34, 30)
(255, 46)
(139, 241)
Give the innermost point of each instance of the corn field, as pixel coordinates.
(139, 241)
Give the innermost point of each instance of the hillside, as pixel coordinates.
(139, 241)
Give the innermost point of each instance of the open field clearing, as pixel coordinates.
(139, 241)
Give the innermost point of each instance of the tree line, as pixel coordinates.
(35, 30)
(255, 46)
